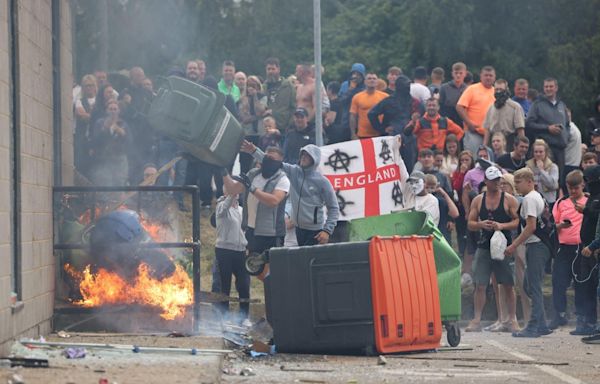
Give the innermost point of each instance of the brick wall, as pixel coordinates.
(36, 157)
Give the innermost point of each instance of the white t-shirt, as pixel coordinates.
(252, 204)
(532, 206)
(420, 92)
(430, 204)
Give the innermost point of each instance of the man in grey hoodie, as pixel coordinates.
(310, 193)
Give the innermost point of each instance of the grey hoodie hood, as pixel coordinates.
(314, 152)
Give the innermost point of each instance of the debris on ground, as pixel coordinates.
(381, 360)
(247, 371)
(74, 353)
(63, 335)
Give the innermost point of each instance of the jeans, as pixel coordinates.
(586, 295)
(306, 236)
(233, 263)
(536, 255)
(562, 276)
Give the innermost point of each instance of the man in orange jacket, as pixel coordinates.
(431, 129)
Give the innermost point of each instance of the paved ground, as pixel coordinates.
(480, 365)
(481, 358)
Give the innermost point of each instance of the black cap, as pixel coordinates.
(301, 111)
(596, 132)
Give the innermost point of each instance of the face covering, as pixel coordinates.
(269, 167)
(416, 186)
(501, 97)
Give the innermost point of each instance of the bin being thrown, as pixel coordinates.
(195, 118)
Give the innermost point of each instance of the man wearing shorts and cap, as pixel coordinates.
(492, 210)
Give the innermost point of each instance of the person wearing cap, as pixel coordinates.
(595, 143)
(302, 134)
(414, 194)
(492, 211)
(536, 252)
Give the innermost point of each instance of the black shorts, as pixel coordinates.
(483, 266)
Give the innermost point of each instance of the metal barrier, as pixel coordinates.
(194, 245)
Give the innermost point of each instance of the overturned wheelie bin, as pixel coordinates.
(447, 262)
(195, 118)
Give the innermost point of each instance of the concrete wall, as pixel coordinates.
(37, 272)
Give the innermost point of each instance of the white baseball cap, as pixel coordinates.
(492, 173)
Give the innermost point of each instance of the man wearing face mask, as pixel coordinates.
(414, 195)
(311, 195)
(264, 190)
(396, 112)
(505, 115)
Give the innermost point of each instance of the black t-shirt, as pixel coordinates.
(509, 164)
(336, 132)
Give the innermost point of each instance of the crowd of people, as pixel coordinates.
(481, 161)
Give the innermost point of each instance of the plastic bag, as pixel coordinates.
(498, 245)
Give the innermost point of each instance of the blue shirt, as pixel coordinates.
(524, 103)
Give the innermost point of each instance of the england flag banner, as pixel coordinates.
(364, 175)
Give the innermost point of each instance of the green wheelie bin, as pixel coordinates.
(195, 118)
(447, 262)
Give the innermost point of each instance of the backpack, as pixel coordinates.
(545, 227)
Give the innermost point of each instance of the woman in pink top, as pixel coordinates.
(568, 224)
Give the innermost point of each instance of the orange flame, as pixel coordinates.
(172, 294)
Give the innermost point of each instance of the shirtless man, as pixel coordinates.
(305, 92)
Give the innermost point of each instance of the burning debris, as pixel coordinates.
(172, 294)
(123, 269)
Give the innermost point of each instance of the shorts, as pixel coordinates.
(483, 266)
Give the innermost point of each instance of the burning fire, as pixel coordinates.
(172, 294)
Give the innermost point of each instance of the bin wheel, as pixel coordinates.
(453, 334)
(255, 264)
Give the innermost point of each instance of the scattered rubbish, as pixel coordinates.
(103, 381)
(63, 334)
(257, 354)
(99, 371)
(176, 334)
(247, 372)
(5, 363)
(261, 347)
(123, 347)
(466, 366)
(27, 362)
(16, 379)
(284, 368)
(479, 359)
(237, 339)
(311, 381)
(74, 353)
(381, 360)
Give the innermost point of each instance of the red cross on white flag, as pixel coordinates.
(364, 175)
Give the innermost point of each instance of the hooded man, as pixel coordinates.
(505, 116)
(348, 89)
(397, 111)
(310, 193)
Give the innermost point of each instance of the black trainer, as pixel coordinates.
(593, 339)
